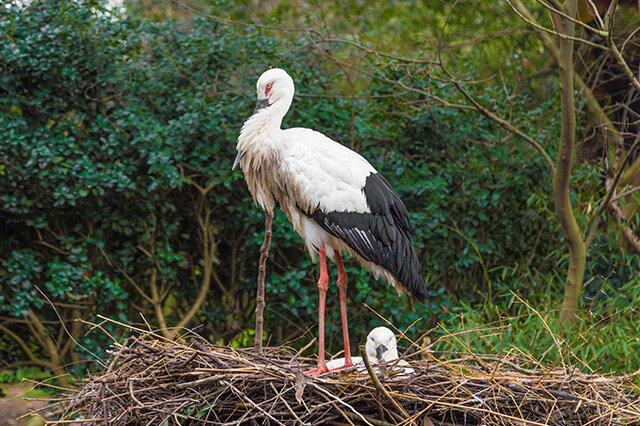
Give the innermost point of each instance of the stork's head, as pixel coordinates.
(275, 87)
(381, 345)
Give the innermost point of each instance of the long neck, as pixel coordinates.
(259, 148)
(273, 115)
(270, 118)
(264, 124)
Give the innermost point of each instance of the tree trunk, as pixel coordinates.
(566, 217)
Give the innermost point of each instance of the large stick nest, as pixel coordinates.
(150, 380)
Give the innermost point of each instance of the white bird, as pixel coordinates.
(381, 347)
(333, 197)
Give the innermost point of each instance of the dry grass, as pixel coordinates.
(151, 380)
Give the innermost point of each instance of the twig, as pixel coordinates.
(262, 268)
(104, 405)
(379, 386)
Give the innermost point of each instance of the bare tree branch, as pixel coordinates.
(25, 348)
(542, 28)
(262, 268)
(502, 122)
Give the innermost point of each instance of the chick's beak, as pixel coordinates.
(380, 351)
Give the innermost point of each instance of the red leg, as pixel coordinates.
(323, 285)
(342, 287)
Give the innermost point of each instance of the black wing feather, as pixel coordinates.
(381, 236)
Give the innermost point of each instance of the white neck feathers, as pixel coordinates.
(260, 149)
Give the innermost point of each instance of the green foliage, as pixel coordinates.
(603, 338)
(20, 373)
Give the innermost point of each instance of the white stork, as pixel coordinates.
(333, 197)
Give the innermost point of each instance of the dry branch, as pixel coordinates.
(262, 270)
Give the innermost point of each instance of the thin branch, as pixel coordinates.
(157, 303)
(626, 230)
(262, 268)
(500, 121)
(611, 189)
(487, 37)
(572, 19)
(125, 275)
(596, 13)
(25, 348)
(553, 32)
(616, 53)
(625, 193)
(209, 250)
(378, 385)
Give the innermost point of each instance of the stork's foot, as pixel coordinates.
(318, 371)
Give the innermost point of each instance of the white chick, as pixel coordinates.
(381, 347)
